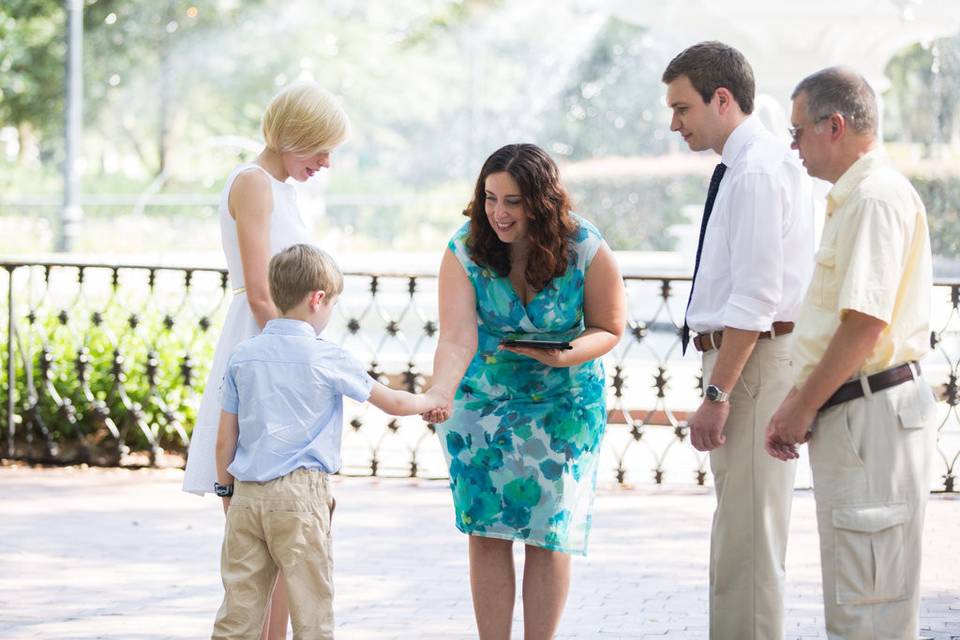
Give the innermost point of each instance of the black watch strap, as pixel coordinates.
(223, 490)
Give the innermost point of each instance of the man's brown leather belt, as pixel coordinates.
(707, 341)
(878, 382)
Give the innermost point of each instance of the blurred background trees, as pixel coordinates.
(174, 90)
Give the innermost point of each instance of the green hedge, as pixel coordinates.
(941, 195)
(75, 417)
(634, 209)
(634, 201)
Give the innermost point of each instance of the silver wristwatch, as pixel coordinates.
(716, 394)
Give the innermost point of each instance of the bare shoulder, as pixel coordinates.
(604, 261)
(251, 194)
(451, 267)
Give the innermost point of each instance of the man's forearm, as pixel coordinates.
(732, 357)
(848, 349)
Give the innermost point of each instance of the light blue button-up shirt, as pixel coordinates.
(286, 386)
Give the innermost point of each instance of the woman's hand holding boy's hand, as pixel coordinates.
(438, 406)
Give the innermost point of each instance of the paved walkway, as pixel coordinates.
(124, 554)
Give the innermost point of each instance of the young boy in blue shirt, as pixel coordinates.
(278, 439)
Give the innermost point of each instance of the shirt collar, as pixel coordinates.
(738, 139)
(289, 327)
(853, 176)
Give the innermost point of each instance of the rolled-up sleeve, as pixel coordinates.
(229, 397)
(756, 252)
(352, 379)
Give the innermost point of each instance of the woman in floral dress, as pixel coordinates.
(525, 424)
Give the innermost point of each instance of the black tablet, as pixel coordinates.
(538, 344)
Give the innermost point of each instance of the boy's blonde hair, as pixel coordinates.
(305, 119)
(299, 270)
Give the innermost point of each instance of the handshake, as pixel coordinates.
(435, 406)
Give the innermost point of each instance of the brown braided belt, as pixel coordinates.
(708, 341)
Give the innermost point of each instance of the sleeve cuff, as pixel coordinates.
(229, 400)
(365, 388)
(748, 314)
(877, 306)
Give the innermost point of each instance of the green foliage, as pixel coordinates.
(23, 179)
(445, 20)
(135, 59)
(634, 215)
(941, 196)
(107, 365)
(127, 44)
(632, 202)
(174, 91)
(923, 103)
(32, 65)
(611, 105)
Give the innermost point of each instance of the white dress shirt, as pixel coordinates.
(757, 255)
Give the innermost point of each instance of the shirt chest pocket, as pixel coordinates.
(826, 281)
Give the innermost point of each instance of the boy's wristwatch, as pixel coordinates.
(223, 490)
(716, 394)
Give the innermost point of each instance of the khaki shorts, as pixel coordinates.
(281, 525)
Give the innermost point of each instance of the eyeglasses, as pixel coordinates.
(795, 132)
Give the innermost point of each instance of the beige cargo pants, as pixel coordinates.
(870, 460)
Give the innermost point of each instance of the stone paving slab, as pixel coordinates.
(95, 553)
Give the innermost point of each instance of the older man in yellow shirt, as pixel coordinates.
(858, 397)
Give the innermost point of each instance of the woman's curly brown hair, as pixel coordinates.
(550, 228)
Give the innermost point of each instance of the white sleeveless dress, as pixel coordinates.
(286, 229)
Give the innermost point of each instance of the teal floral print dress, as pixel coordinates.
(523, 439)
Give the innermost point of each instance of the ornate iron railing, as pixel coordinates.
(105, 364)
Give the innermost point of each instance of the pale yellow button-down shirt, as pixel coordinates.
(874, 258)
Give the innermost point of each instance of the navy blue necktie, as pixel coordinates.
(707, 210)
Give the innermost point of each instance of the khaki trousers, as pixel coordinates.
(283, 524)
(870, 458)
(748, 542)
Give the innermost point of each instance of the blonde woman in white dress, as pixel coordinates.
(302, 126)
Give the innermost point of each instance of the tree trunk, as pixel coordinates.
(163, 117)
(29, 147)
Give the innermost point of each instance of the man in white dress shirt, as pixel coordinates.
(754, 261)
